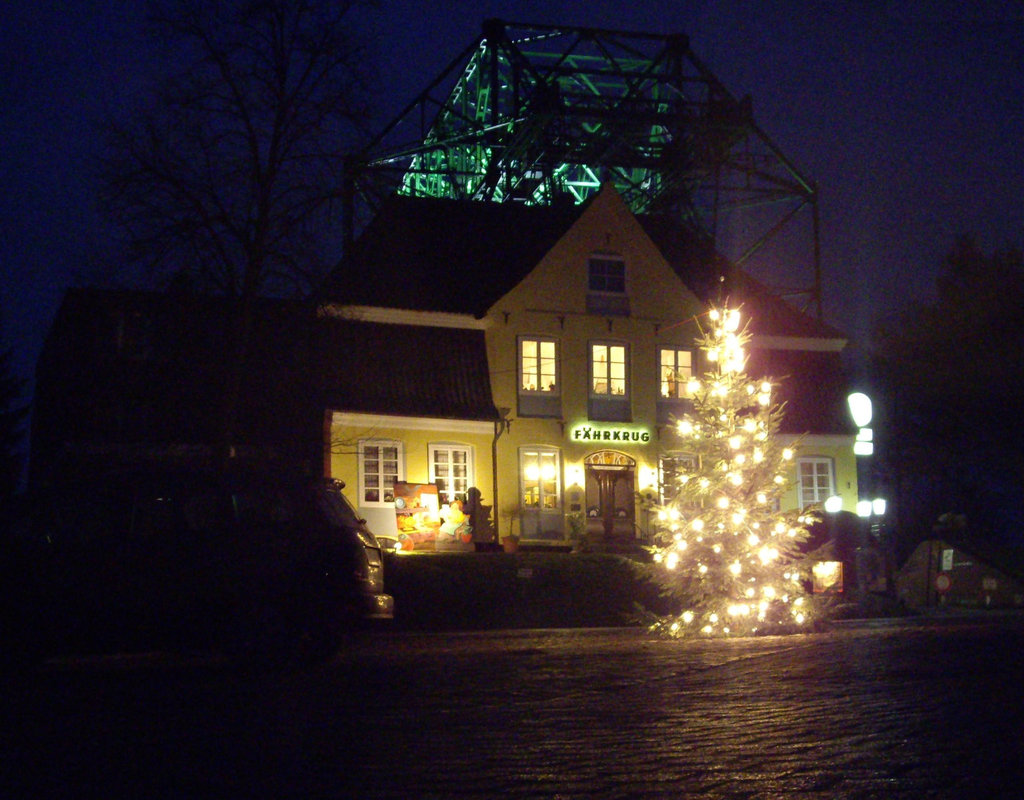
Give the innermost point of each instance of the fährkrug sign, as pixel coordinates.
(623, 434)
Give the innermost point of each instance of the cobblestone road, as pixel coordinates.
(910, 711)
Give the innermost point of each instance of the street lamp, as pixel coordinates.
(860, 410)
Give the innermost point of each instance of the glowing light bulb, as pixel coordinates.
(722, 502)
(697, 524)
(687, 617)
(768, 554)
(735, 568)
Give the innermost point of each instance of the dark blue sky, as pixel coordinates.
(908, 115)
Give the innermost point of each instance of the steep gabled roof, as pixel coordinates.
(462, 256)
(408, 370)
(813, 386)
(453, 256)
(694, 259)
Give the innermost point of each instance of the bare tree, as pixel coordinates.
(229, 176)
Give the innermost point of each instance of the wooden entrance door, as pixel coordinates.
(610, 493)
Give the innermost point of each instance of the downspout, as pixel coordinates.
(500, 426)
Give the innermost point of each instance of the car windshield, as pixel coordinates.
(337, 508)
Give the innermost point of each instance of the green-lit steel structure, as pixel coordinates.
(546, 114)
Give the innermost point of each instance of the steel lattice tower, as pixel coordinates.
(546, 114)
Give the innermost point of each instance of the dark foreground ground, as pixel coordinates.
(915, 709)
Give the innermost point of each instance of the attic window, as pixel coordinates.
(606, 286)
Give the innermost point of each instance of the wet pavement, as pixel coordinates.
(923, 709)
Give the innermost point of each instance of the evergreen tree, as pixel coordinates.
(722, 547)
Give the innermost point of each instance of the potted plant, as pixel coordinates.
(510, 542)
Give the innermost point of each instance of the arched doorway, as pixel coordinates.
(610, 496)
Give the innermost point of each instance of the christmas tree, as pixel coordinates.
(723, 547)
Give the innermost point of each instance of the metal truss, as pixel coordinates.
(545, 114)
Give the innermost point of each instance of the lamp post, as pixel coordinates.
(872, 512)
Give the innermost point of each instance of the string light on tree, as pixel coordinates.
(722, 546)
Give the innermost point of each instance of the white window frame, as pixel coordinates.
(596, 259)
(818, 493)
(455, 490)
(676, 374)
(607, 346)
(539, 457)
(380, 475)
(538, 366)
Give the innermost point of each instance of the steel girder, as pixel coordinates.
(546, 114)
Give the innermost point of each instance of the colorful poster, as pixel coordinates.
(417, 514)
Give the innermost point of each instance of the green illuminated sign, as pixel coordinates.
(610, 433)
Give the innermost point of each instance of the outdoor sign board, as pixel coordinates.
(621, 434)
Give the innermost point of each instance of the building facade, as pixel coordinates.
(509, 369)
(589, 331)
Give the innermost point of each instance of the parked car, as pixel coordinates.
(250, 562)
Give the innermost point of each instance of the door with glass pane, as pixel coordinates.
(610, 496)
(540, 504)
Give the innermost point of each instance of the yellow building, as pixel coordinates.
(582, 318)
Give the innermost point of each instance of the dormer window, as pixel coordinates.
(606, 286)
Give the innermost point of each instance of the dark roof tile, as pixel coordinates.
(409, 370)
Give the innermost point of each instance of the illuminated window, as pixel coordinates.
(608, 370)
(814, 476)
(827, 576)
(538, 365)
(676, 369)
(539, 477)
(672, 468)
(451, 470)
(380, 465)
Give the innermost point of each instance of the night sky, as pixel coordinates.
(909, 115)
